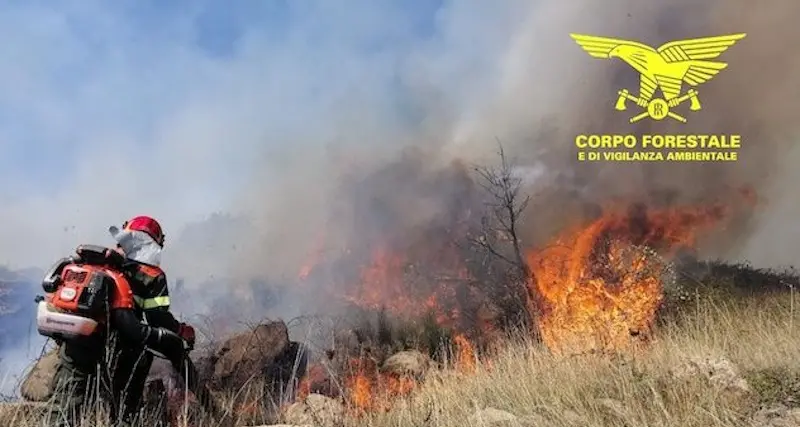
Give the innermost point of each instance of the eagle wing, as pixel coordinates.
(600, 47)
(697, 52)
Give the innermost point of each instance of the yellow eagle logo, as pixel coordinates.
(665, 68)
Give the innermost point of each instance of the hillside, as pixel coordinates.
(17, 311)
(724, 357)
(725, 365)
(453, 315)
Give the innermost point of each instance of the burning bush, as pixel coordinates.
(601, 284)
(462, 265)
(411, 251)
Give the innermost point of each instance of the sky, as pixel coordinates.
(111, 109)
(181, 110)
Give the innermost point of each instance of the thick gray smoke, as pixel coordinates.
(284, 138)
(535, 89)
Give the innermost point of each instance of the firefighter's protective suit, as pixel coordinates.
(109, 363)
(113, 363)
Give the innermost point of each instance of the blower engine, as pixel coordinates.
(77, 293)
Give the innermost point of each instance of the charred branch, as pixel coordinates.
(506, 204)
(500, 226)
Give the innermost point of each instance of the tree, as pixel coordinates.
(500, 235)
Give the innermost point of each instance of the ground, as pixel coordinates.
(726, 365)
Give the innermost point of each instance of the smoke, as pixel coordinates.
(18, 341)
(527, 83)
(552, 91)
(275, 116)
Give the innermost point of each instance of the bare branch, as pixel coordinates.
(490, 248)
(506, 204)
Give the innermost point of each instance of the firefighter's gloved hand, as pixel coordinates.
(186, 331)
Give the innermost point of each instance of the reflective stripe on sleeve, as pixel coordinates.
(149, 303)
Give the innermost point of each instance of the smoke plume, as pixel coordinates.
(536, 90)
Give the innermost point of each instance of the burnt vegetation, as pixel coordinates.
(419, 284)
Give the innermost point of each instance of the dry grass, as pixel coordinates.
(760, 335)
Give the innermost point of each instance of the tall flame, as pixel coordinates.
(600, 285)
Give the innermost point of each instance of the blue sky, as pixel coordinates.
(182, 109)
(134, 34)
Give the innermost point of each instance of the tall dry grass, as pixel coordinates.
(760, 335)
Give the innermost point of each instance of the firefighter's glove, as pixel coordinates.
(186, 331)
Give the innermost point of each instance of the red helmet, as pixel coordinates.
(147, 225)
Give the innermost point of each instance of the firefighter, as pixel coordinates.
(141, 240)
(115, 360)
(86, 371)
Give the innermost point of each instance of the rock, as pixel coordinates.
(203, 360)
(720, 372)
(777, 416)
(316, 410)
(247, 355)
(407, 363)
(38, 385)
(494, 417)
(21, 414)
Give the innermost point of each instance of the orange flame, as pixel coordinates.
(369, 390)
(314, 258)
(465, 354)
(597, 287)
(391, 282)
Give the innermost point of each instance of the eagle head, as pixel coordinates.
(622, 51)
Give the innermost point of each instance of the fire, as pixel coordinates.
(602, 284)
(370, 390)
(408, 282)
(596, 286)
(367, 389)
(393, 281)
(465, 356)
(314, 258)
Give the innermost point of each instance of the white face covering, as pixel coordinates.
(137, 245)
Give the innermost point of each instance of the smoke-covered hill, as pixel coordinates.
(19, 342)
